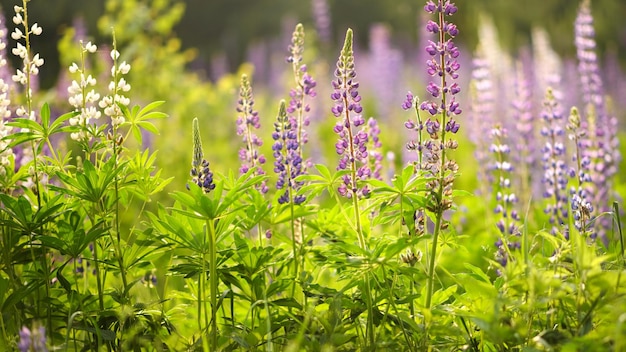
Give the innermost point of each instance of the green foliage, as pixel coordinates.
(116, 249)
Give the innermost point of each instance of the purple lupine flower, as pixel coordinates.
(581, 208)
(288, 162)
(524, 139)
(509, 221)
(375, 154)
(321, 16)
(352, 143)
(386, 64)
(201, 174)
(34, 340)
(587, 58)
(299, 109)
(414, 127)
(605, 149)
(553, 159)
(443, 68)
(248, 121)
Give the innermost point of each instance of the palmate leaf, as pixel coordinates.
(137, 118)
(21, 216)
(38, 131)
(91, 184)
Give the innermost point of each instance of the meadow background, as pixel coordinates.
(107, 253)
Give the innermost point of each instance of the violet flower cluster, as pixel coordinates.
(524, 140)
(581, 208)
(508, 224)
(553, 159)
(482, 114)
(299, 108)
(34, 340)
(415, 127)
(375, 154)
(201, 175)
(248, 121)
(353, 138)
(587, 58)
(288, 162)
(604, 152)
(443, 66)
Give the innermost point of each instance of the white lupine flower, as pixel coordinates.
(73, 68)
(92, 97)
(38, 61)
(17, 34)
(115, 54)
(19, 77)
(35, 29)
(124, 68)
(123, 85)
(17, 19)
(19, 50)
(17, 9)
(91, 47)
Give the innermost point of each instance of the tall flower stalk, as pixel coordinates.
(304, 89)
(84, 99)
(288, 165)
(202, 176)
(554, 166)
(443, 107)
(508, 224)
(26, 76)
(247, 122)
(6, 153)
(352, 149)
(580, 206)
(605, 146)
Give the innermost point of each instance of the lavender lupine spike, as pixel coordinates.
(200, 172)
(524, 139)
(352, 143)
(442, 66)
(554, 165)
(288, 163)
(605, 142)
(375, 154)
(248, 121)
(509, 223)
(482, 115)
(587, 58)
(321, 15)
(299, 109)
(582, 209)
(386, 63)
(415, 127)
(34, 340)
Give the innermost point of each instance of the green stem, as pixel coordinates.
(442, 171)
(201, 299)
(294, 243)
(213, 281)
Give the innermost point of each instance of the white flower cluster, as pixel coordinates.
(30, 65)
(81, 98)
(118, 86)
(5, 112)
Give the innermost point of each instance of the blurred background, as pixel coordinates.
(225, 33)
(191, 54)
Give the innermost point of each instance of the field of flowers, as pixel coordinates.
(443, 200)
